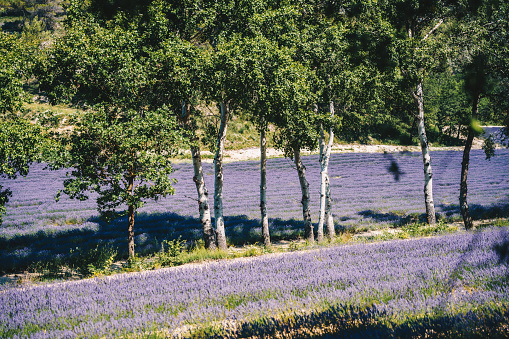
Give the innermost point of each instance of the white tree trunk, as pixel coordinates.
(329, 220)
(203, 199)
(130, 218)
(304, 186)
(426, 158)
(324, 176)
(218, 183)
(263, 185)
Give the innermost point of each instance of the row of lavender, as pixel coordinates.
(360, 182)
(440, 276)
(365, 192)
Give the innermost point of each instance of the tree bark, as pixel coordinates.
(218, 183)
(324, 176)
(426, 158)
(465, 213)
(304, 186)
(130, 218)
(329, 220)
(263, 184)
(203, 199)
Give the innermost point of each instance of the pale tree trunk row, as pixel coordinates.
(263, 184)
(203, 199)
(329, 220)
(130, 218)
(426, 158)
(201, 188)
(218, 183)
(325, 195)
(304, 186)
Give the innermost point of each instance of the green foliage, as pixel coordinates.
(11, 74)
(95, 261)
(20, 145)
(123, 156)
(488, 147)
(47, 12)
(424, 230)
(171, 251)
(20, 141)
(447, 105)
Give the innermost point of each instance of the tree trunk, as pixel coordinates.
(324, 176)
(203, 199)
(130, 218)
(465, 213)
(263, 184)
(329, 220)
(428, 175)
(218, 184)
(304, 186)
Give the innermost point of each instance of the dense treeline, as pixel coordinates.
(158, 76)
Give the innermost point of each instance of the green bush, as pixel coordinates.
(171, 251)
(94, 261)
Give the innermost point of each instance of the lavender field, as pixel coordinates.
(367, 194)
(454, 285)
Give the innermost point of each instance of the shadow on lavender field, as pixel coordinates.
(477, 212)
(20, 252)
(370, 191)
(345, 321)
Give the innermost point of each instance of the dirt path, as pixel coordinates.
(254, 153)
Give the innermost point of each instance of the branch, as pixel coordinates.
(191, 198)
(433, 29)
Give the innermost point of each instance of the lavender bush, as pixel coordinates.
(369, 190)
(447, 277)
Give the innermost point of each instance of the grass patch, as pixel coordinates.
(106, 260)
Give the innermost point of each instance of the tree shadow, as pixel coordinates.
(502, 248)
(394, 167)
(241, 230)
(346, 321)
(20, 252)
(478, 212)
(398, 219)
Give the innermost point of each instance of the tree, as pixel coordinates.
(20, 144)
(289, 26)
(325, 53)
(475, 85)
(325, 215)
(20, 140)
(12, 69)
(417, 49)
(447, 105)
(228, 70)
(483, 56)
(269, 89)
(121, 148)
(124, 157)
